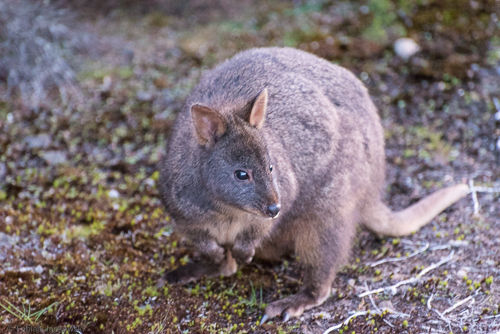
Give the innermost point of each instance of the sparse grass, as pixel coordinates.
(26, 314)
(253, 301)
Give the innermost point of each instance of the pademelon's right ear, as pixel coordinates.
(258, 112)
(208, 124)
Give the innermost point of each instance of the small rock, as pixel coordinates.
(7, 240)
(150, 182)
(106, 84)
(54, 157)
(144, 96)
(496, 102)
(42, 140)
(3, 170)
(105, 89)
(406, 47)
(386, 305)
(128, 55)
(23, 270)
(462, 273)
(113, 193)
(322, 315)
(48, 256)
(489, 262)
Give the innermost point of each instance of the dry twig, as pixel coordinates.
(454, 306)
(345, 322)
(474, 190)
(396, 259)
(474, 197)
(393, 288)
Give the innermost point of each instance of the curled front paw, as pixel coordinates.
(190, 272)
(212, 251)
(194, 271)
(243, 254)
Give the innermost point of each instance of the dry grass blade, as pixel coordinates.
(25, 315)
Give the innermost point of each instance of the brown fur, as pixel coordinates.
(315, 123)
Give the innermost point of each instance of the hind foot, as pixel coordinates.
(293, 306)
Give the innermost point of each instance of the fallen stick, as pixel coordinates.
(475, 202)
(360, 313)
(474, 190)
(345, 322)
(429, 307)
(396, 259)
(454, 306)
(393, 288)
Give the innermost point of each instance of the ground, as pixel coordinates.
(85, 242)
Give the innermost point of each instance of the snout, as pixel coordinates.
(273, 210)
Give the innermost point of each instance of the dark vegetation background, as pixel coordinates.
(88, 93)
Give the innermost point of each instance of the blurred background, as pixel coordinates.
(89, 91)
(70, 69)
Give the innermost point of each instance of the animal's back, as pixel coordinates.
(319, 118)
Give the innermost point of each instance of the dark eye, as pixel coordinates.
(241, 175)
(271, 168)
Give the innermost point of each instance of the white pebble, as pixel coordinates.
(406, 47)
(113, 193)
(462, 273)
(150, 182)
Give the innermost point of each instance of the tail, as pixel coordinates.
(381, 220)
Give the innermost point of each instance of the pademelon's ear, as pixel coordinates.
(258, 113)
(208, 124)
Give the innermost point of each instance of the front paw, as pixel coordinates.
(194, 271)
(189, 273)
(243, 254)
(212, 251)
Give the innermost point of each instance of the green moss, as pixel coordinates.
(151, 291)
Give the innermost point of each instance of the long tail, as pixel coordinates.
(383, 221)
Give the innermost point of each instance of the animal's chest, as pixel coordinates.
(226, 229)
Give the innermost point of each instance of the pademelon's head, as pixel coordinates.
(236, 167)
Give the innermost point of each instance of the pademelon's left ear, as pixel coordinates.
(258, 113)
(209, 125)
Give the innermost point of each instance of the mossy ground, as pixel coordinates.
(84, 240)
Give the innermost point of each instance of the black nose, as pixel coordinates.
(273, 210)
